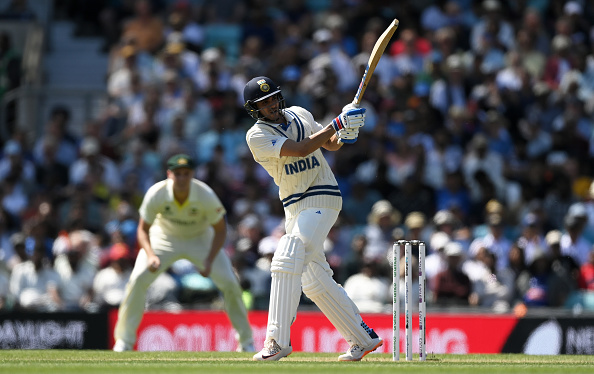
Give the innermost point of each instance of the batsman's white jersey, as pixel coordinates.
(176, 232)
(304, 182)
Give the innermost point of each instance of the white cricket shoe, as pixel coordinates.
(121, 346)
(357, 352)
(272, 351)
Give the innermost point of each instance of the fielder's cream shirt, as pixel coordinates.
(304, 182)
(201, 210)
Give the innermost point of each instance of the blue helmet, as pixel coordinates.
(257, 89)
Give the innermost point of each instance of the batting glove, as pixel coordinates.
(348, 136)
(349, 106)
(351, 119)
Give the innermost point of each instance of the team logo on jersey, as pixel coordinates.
(273, 142)
(193, 212)
(167, 210)
(264, 87)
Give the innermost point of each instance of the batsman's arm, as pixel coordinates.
(323, 138)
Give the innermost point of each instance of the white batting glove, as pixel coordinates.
(348, 136)
(349, 106)
(351, 119)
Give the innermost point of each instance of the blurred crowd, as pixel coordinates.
(479, 140)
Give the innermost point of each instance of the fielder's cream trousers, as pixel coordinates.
(169, 250)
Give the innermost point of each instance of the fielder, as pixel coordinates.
(286, 142)
(180, 217)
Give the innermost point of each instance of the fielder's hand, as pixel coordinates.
(348, 136)
(350, 120)
(153, 263)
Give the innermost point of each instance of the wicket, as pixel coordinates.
(408, 301)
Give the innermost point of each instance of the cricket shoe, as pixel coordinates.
(357, 351)
(121, 346)
(272, 351)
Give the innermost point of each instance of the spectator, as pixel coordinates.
(382, 220)
(77, 268)
(453, 90)
(558, 62)
(531, 237)
(572, 241)
(15, 164)
(586, 277)
(492, 25)
(516, 274)
(110, 282)
(329, 55)
(92, 166)
(120, 82)
(181, 20)
(56, 127)
(491, 289)
(407, 59)
(368, 289)
(494, 241)
(452, 286)
(145, 27)
(436, 260)
(50, 174)
(34, 285)
(14, 250)
(536, 289)
(415, 224)
(564, 269)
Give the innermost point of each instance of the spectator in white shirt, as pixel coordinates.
(77, 268)
(572, 241)
(34, 285)
(109, 283)
(494, 241)
(92, 163)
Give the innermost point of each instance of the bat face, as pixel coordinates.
(376, 54)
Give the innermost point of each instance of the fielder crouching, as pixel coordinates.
(181, 217)
(287, 142)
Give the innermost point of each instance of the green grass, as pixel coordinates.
(78, 362)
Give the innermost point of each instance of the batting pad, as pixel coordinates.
(285, 291)
(334, 302)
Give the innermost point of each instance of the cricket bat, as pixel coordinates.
(376, 54)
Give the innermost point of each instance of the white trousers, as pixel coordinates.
(169, 250)
(312, 226)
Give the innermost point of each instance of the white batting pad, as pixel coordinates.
(334, 302)
(285, 291)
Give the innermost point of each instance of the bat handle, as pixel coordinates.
(355, 103)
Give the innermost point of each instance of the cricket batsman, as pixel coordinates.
(287, 142)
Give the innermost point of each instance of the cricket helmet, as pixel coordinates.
(257, 89)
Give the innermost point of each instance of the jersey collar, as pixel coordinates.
(191, 197)
(288, 117)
